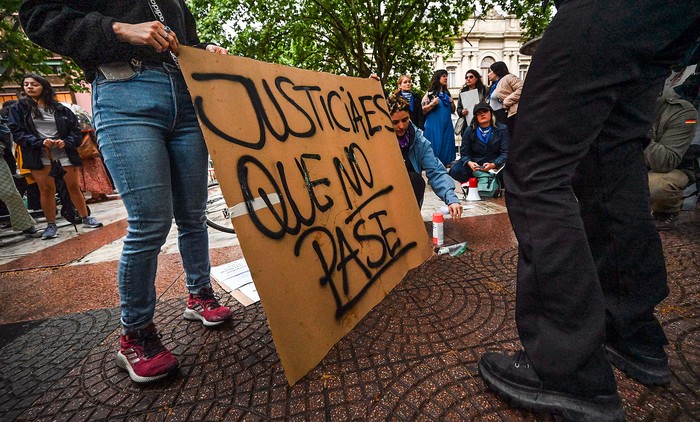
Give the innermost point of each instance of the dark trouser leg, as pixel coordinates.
(418, 185)
(579, 97)
(501, 117)
(460, 172)
(611, 184)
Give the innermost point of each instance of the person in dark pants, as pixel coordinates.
(590, 266)
(484, 145)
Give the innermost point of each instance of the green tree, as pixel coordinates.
(356, 38)
(18, 55)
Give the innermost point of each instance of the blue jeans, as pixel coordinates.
(150, 139)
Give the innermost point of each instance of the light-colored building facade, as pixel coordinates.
(485, 39)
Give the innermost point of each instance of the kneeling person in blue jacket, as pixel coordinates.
(418, 156)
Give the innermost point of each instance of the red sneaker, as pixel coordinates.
(205, 307)
(144, 357)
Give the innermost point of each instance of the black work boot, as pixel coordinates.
(665, 221)
(513, 378)
(647, 368)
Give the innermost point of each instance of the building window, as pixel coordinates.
(451, 77)
(523, 71)
(486, 63)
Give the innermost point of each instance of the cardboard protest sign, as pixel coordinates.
(319, 194)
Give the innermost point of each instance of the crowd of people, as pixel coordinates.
(590, 265)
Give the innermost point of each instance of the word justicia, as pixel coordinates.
(314, 110)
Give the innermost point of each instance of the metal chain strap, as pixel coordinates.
(159, 15)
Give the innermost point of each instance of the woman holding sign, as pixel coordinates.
(472, 81)
(143, 114)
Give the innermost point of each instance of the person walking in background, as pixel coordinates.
(504, 94)
(20, 219)
(418, 157)
(671, 135)
(590, 263)
(47, 131)
(438, 107)
(472, 80)
(152, 146)
(414, 100)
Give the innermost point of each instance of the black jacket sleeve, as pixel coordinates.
(22, 134)
(82, 30)
(74, 29)
(74, 136)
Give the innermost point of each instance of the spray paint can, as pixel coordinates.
(438, 229)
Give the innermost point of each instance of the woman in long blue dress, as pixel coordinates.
(438, 107)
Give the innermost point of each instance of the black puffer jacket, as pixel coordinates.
(25, 135)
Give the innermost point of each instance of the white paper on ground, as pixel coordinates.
(235, 278)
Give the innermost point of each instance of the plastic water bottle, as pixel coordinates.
(438, 229)
(452, 250)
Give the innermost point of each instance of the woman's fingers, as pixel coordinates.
(173, 42)
(456, 211)
(153, 33)
(218, 49)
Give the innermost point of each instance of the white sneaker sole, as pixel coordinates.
(124, 364)
(192, 315)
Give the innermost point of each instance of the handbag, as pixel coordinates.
(488, 184)
(459, 125)
(88, 148)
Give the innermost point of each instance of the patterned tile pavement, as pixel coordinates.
(414, 357)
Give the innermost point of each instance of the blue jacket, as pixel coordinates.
(495, 151)
(422, 158)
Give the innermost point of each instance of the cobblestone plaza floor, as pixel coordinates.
(413, 357)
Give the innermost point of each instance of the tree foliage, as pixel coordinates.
(352, 37)
(18, 55)
(532, 17)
